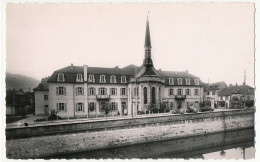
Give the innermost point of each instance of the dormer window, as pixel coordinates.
(102, 79)
(61, 77)
(171, 81)
(187, 81)
(113, 79)
(79, 78)
(196, 81)
(123, 79)
(179, 81)
(91, 78)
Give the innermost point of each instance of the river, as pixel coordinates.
(237, 144)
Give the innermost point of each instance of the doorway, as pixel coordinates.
(123, 108)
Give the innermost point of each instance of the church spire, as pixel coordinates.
(147, 46)
(147, 43)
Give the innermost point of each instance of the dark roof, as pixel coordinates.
(238, 90)
(42, 87)
(215, 86)
(70, 73)
(177, 74)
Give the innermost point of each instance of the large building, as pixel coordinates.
(82, 90)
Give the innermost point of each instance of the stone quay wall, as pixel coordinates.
(114, 133)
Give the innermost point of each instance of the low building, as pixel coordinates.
(239, 96)
(212, 92)
(41, 95)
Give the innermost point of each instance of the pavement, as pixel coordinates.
(30, 120)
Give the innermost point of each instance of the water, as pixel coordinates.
(229, 145)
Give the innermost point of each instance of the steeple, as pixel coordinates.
(147, 46)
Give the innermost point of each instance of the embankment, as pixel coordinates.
(113, 133)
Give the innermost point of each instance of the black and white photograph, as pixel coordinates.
(129, 80)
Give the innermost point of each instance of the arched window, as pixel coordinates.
(153, 95)
(145, 95)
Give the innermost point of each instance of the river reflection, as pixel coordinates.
(229, 145)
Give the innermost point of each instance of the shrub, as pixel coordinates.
(53, 115)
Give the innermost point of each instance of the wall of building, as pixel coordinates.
(113, 133)
(40, 102)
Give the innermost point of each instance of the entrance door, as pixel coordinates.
(179, 104)
(46, 109)
(124, 108)
(102, 106)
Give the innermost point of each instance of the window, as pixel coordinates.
(226, 97)
(171, 81)
(123, 91)
(179, 81)
(92, 91)
(112, 79)
(45, 97)
(221, 98)
(179, 91)
(123, 79)
(91, 78)
(187, 81)
(80, 106)
(79, 91)
(145, 95)
(213, 92)
(92, 106)
(196, 81)
(188, 92)
(61, 107)
(248, 97)
(113, 106)
(102, 79)
(171, 92)
(102, 91)
(61, 91)
(61, 77)
(113, 91)
(207, 92)
(79, 78)
(196, 92)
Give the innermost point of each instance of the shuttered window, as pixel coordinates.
(80, 107)
(61, 91)
(61, 107)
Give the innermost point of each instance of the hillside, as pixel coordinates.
(19, 81)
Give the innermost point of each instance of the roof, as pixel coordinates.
(42, 87)
(238, 90)
(70, 73)
(215, 86)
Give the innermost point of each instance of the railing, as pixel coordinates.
(180, 97)
(103, 97)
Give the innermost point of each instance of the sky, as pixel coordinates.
(214, 41)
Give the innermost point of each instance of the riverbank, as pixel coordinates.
(114, 133)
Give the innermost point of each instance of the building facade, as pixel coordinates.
(41, 95)
(237, 97)
(82, 90)
(212, 93)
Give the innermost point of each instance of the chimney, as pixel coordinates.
(85, 67)
(71, 66)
